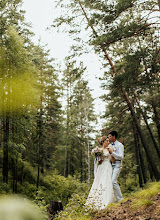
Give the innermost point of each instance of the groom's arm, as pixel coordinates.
(119, 154)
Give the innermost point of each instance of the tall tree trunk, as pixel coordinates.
(81, 157)
(66, 157)
(88, 149)
(67, 132)
(22, 169)
(148, 127)
(125, 94)
(137, 157)
(71, 162)
(39, 129)
(5, 149)
(141, 158)
(150, 172)
(66, 163)
(1, 139)
(13, 175)
(39, 148)
(156, 119)
(89, 170)
(40, 133)
(143, 140)
(85, 165)
(38, 172)
(81, 163)
(158, 4)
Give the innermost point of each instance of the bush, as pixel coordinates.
(59, 188)
(75, 209)
(27, 189)
(4, 188)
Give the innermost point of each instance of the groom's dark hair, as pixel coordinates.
(114, 133)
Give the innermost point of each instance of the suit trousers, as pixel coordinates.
(117, 166)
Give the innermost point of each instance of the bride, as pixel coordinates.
(102, 193)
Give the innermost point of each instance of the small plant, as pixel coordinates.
(75, 209)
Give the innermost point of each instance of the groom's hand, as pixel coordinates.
(110, 150)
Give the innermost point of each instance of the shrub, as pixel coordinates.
(75, 209)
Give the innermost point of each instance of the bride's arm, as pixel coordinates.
(112, 159)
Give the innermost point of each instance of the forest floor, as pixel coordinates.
(142, 204)
(132, 209)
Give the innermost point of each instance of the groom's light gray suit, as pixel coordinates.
(118, 154)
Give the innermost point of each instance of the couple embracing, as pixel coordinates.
(105, 188)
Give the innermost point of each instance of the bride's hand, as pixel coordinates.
(110, 149)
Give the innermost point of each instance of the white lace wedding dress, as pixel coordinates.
(102, 193)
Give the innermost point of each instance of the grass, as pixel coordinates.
(75, 217)
(151, 190)
(113, 205)
(78, 218)
(142, 198)
(141, 203)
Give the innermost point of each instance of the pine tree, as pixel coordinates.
(112, 28)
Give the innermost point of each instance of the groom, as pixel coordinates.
(117, 151)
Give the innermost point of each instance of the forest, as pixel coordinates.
(47, 117)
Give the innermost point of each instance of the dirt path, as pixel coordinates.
(124, 211)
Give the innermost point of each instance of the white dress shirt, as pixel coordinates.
(118, 150)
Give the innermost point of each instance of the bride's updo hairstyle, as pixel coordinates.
(105, 144)
(102, 139)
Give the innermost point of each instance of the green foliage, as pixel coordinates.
(142, 198)
(52, 187)
(124, 5)
(18, 79)
(19, 208)
(11, 15)
(128, 175)
(151, 190)
(29, 171)
(59, 188)
(4, 188)
(19, 100)
(129, 40)
(75, 208)
(32, 128)
(47, 138)
(78, 120)
(27, 189)
(142, 203)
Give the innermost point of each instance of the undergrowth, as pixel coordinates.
(76, 210)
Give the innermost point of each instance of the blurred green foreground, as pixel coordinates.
(17, 208)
